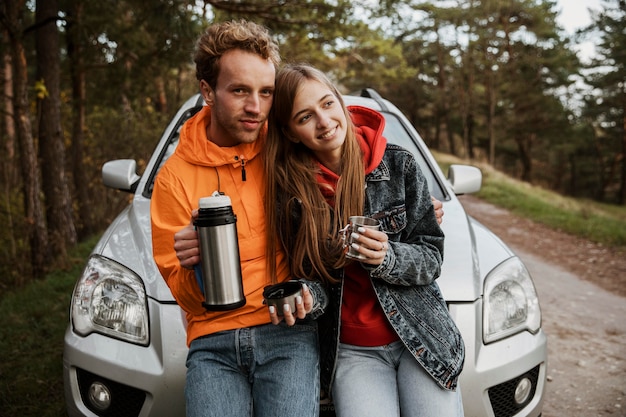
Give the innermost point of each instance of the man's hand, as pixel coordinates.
(438, 206)
(186, 244)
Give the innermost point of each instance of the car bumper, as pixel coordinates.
(493, 372)
(142, 380)
(150, 380)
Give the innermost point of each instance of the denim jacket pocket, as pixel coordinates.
(393, 220)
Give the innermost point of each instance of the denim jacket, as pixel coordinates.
(397, 194)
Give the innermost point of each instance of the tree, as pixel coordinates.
(34, 219)
(59, 213)
(129, 66)
(8, 164)
(605, 106)
(86, 225)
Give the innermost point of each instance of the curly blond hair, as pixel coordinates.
(222, 37)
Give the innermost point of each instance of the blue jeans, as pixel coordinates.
(260, 371)
(388, 381)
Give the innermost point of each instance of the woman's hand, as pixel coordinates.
(373, 244)
(304, 305)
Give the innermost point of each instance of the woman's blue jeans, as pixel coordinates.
(262, 371)
(388, 381)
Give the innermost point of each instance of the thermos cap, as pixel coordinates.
(214, 201)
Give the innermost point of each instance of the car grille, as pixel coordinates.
(502, 396)
(125, 401)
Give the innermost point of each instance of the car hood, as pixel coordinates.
(128, 241)
(470, 252)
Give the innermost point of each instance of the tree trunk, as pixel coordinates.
(56, 191)
(471, 122)
(524, 147)
(7, 101)
(621, 198)
(8, 165)
(35, 224)
(161, 99)
(443, 108)
(468, 103)
(441, 92)
(491, 117)
(77, 70)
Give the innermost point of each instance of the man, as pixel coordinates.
(239, 364)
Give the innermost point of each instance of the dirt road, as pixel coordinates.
(585, 323)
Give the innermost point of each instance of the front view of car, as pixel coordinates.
(125, 345)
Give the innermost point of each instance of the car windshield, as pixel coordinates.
(395, 132)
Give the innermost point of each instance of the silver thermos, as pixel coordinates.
(219, 271)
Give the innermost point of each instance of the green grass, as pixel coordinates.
(600, 223)
(32, 323)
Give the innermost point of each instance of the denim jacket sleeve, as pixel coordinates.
(320, 297)
(398, 195)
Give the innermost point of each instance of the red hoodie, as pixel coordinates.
(363, 322)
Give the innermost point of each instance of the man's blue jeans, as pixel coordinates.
(388, 381)
(262, 371)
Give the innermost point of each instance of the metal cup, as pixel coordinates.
(278, 295)
(354, 222)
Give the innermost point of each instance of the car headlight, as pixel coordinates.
(510, 303)
(110, 299)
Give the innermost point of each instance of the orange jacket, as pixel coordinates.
(195, 170)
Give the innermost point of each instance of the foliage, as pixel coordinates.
(486, 80)
(131, 45)
(13, 270)
(606, 103)
(307, 31)
(32, 323)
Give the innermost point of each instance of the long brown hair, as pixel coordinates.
(312, 246)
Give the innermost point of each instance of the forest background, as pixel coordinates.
(492, 81)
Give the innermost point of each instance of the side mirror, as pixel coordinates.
(465, 179)
(121, 174)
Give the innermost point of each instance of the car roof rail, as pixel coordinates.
(373, 94)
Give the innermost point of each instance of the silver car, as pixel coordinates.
(125, 345)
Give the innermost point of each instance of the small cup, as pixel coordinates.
(354, 222)
(278, 295)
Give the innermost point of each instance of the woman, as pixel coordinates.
(389, 346)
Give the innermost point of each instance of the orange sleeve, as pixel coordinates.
(170, 211)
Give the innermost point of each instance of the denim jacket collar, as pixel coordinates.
(380, 173)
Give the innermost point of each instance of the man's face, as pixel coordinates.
(242, 98)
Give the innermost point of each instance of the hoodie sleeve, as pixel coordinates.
(170, 211)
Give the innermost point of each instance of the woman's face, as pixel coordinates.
(318, 121)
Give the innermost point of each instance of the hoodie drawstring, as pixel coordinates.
(243, 166)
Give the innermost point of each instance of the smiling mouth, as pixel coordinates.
(328, 134)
